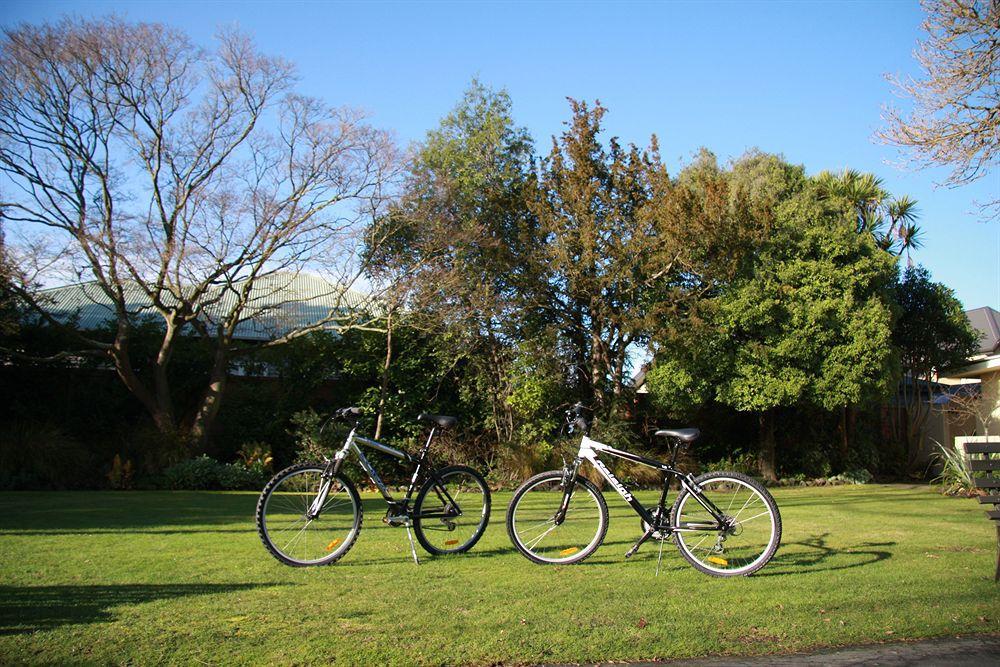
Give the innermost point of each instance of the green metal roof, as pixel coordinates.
(278, 303)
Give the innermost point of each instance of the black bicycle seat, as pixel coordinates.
(682, 434)
(441, 420)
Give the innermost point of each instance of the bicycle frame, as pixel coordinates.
(590, 450)
(419, 462)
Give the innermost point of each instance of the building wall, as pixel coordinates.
(989, 413)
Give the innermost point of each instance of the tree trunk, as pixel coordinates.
(766, 458)
(996, 577)
(598, 367)
(917, 412)
(211, 400)
(162, 382)
(162, 416)
(384, 388)
(618, 371)
(845, 440)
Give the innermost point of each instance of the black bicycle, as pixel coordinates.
(310, 513)
(725, 524)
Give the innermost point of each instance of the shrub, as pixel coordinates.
(242, 477)
(956, 478)
(42, 456)
(120, 475)
(150, 450)
(518, 461)
(255, 453)
(310, 443)
(859, 476)
(196, 474)
(744, 462)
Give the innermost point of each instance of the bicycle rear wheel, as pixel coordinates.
(746, 539)
(283, 521)
(451, 516)
(531, 520)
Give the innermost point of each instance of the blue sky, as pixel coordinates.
(802, 79)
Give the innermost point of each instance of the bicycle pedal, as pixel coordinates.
(635, 547)
(397, 521)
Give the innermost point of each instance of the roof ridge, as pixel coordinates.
(296, 274)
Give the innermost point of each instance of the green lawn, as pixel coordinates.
(155, 577)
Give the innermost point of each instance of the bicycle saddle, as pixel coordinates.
(441, 420)
(682, 434)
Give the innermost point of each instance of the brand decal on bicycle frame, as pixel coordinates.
(610, 476)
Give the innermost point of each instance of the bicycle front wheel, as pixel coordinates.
(746, 538)
(286, 525)
(531, 519)
(452, 511)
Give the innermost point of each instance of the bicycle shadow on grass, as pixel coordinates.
(812, 554)
(28, 609)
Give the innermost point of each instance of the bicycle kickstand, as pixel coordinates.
(659, 558)
(413, 549)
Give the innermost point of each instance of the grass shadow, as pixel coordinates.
(27, 609)
(82, 511)
(250, 529)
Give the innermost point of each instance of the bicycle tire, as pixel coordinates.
(760, 561)
(550, 476)
(263, 504)
(418, 526)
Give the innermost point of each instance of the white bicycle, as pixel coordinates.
(725, 524)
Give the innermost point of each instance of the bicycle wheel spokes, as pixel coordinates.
(452, 515)
(743, 540)
(534, 527)
(293, 533)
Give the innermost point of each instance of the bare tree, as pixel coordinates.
(197, 178)
(955, 119)
(971, 406)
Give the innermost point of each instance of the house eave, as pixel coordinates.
(991, 364)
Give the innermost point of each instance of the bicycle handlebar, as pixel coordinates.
(344, 415)
(576, 419)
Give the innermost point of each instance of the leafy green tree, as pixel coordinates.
(806, 319)
(932, 334)
(623, 248)
(889, 220)
(463, 237)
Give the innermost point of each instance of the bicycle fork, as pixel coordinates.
(324, 490)
(568, 485)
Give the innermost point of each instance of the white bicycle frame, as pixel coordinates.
(590, 451)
